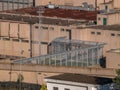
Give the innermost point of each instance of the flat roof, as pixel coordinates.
(106, 27)
(79, 78)
(109, 2)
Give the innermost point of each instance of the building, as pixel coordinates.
(109, 5)
(75, 25)
(29, 26)
(70, 2)
(113, 59)
(15, 4)
(78, 82)
(109, 18)
(109, 13)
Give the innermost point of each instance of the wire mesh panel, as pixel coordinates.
(80, 53)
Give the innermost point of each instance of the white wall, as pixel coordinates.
(62, 85)
(69, 85)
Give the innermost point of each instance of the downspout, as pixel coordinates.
(30, 40)
(33, 3)
(95, 5)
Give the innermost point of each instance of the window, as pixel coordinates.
(98, 33)
(36, 27)
(25, 41)
(44, 27)
(51, 28)
(112, 34)
(62, 29)
(68, 30)
(106, 7)
(118, 34)
(92, 32)
(55, 88)
(66, 89)
(16, 40)
(99, 18)
(6, 39)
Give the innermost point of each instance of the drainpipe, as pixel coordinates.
(30, 40)
(33, 3)
(95, 4)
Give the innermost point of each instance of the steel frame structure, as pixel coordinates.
(80, 53)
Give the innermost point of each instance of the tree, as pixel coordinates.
(117, 78)
(43, 87)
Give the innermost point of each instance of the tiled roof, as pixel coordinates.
(33, 20)
(57, 12)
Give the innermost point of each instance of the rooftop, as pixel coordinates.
(35, 19)
(79, 78)
(58, 12)
(110, 2)
(115, 50)
(107, 27)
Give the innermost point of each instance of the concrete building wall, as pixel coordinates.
(69, 85)
(111, 19)
(49, 33)
(106, 7)
(110, 37)
(100, 19)
(62, 86)
(29, 77)
(68, 2)
(14, 4)
(116, 3)
(113, 60)
(14, 38)
(114, 19)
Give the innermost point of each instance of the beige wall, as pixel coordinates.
(29, 77)
(113, 60)
(100, 18)
(112, 5)
(12, 38)
(113, 18)
(116, 3)
(70, 2)
(49, 34)
(112, 42)
(109, 6)
(14, 48)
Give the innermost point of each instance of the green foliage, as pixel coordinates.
(117, 78)
(43, 87)
(20, 78)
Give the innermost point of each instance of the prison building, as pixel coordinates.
(15, 4)
(70, 2)
(52, 27)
